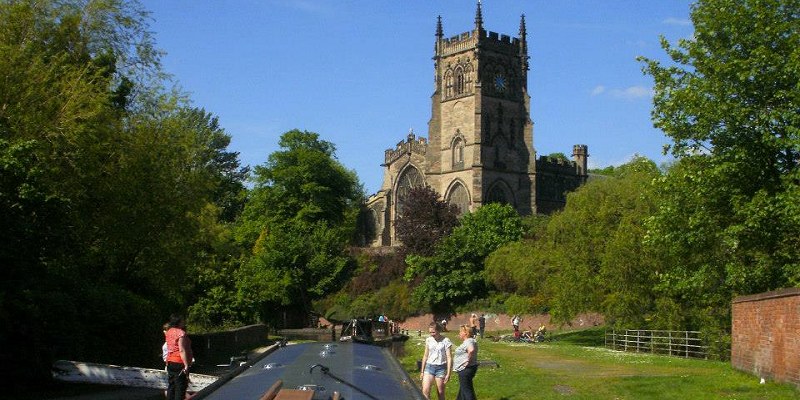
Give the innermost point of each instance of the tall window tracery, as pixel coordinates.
(448, 84)
(410, 178)
(457, 81)
(459, 197)
(460, 80)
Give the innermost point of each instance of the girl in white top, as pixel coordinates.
(437, 361)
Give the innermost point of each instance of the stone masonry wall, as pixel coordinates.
(765, 339)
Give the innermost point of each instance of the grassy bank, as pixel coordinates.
(576, 366)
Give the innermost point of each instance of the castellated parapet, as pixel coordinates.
(412, 145)
(469, 40)
(555, 165)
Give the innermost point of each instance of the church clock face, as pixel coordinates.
(500, 83)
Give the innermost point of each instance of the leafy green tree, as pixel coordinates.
(298, 222)
(728, 102)
(522, 268)
(595, 252)
(57, 137)
(293, 265)
(221, 164)
(424, 220)
(105, 190)
(303, 183)
(455, 272)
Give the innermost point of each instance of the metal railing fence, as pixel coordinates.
(687, 344)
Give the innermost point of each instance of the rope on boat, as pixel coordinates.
(327, 371)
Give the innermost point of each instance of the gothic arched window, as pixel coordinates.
(458, 153)
(498, 194)
(461, 80)
(448, 84)
(459, 197)
(410, 178)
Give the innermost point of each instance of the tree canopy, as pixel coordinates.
(109, 186)
(300, 217)
(455, 272)
(596, 249)
(728, 222)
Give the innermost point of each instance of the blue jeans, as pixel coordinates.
(465, 389)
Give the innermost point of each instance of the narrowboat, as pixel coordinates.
(317, 371)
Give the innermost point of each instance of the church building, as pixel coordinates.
(479, 148)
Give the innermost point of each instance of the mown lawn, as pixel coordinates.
(577, 366)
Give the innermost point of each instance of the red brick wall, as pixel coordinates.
(765, 339)
(500, 322)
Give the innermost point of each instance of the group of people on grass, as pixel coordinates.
(438, 361)
(529, 335)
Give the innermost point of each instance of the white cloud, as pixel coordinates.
(629, 93)
(677, 21)
(632, 93)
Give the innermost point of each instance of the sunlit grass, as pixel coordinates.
(576, 366)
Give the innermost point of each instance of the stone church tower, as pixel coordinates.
(480, 136)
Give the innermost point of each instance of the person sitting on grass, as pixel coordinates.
(528, 334)
(539, 337)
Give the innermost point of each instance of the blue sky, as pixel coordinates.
(360, 73)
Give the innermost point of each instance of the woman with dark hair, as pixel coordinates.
(179, 358)
(465, 363)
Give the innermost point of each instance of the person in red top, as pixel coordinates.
(179, 358)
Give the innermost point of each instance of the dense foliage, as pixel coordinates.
(110, 187)
(728, 221)
(298, 222)
(455, 272)
(597, 251)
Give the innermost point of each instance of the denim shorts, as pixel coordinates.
(438, 371)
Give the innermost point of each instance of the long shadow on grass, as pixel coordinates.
(586, 337)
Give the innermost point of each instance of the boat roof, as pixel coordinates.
(354, 370)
